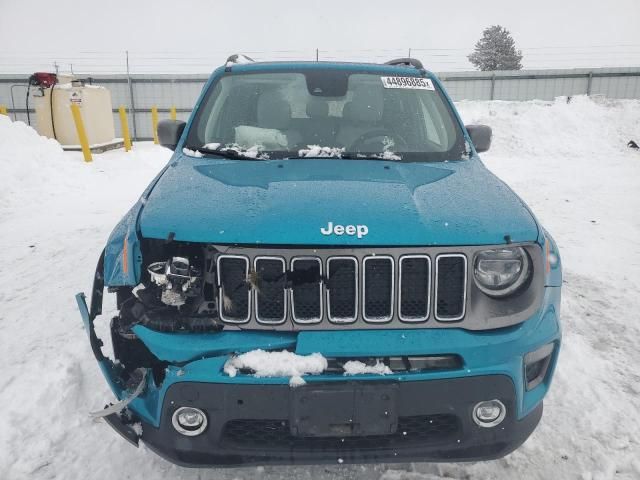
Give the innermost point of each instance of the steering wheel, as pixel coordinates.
(399, 143)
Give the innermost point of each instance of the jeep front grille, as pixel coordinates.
(299, 288)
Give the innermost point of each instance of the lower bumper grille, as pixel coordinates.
(275, 434)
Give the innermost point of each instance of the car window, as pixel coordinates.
(358, 115)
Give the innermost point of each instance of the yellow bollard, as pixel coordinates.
(3, 110)
(82, 134)
(154, 123)
(174, 114)
(125, 128)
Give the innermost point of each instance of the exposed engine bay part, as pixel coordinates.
(177, 293)
(177, 278)
(122, 404)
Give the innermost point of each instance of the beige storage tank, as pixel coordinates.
(94, 103)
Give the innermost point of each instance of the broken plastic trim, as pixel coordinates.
(110, 370)
(89, 315)
(124, 429)
(122, 404)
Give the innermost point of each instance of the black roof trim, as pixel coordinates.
(409, 62)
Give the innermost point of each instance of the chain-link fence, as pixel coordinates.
(139, 93)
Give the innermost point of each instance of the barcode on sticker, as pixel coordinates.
(407, 82)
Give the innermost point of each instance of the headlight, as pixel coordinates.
(502, 271)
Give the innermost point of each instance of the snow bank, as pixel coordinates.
(277, 364)
(571, 127)
(28, 162)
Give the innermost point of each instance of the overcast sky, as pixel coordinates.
(197, 35)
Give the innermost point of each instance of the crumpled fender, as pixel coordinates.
(122, 255)
(107, 366)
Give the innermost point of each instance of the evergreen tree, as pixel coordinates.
(496, 50)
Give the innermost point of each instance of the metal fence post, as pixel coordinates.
(589, 80)
(131, 101)
(493, 86)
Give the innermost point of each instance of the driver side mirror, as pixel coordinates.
(169, 132)
(480, 136)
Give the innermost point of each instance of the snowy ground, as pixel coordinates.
(568, 161)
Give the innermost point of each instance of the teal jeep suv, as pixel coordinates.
(325, 271)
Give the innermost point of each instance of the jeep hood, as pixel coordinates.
(287, 203)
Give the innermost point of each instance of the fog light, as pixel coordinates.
(489, 413)
(189, 421)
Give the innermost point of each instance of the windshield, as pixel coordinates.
(327, 113)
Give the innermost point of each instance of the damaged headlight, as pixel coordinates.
(502, 271)
(176, 276)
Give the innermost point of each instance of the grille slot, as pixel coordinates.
(378, 285)
(415, 288)
(342, 289)
(451, 284)
(235, 291)
(306, 289)
(272, 434)
(270, 295)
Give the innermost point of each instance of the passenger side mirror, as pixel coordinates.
(480, 136)
(169, 132)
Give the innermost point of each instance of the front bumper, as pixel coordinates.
(257, 411)
(250, 425)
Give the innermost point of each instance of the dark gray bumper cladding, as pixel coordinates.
(265, 424)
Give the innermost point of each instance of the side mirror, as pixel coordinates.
(169, 132)
(480, 136)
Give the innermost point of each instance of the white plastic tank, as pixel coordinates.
(95, 106)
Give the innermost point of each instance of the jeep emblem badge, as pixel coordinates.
(359, 230)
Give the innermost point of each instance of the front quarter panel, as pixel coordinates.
(123, 257)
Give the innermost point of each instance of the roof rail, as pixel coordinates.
(410, 62)
(236, 59)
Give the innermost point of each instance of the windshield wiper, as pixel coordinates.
(227, 153)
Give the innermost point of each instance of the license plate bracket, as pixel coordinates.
(344, 410)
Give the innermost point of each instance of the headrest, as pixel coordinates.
(273, 111)
(317, 108)
(365, 106)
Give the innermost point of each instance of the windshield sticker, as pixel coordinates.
(417, 83)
